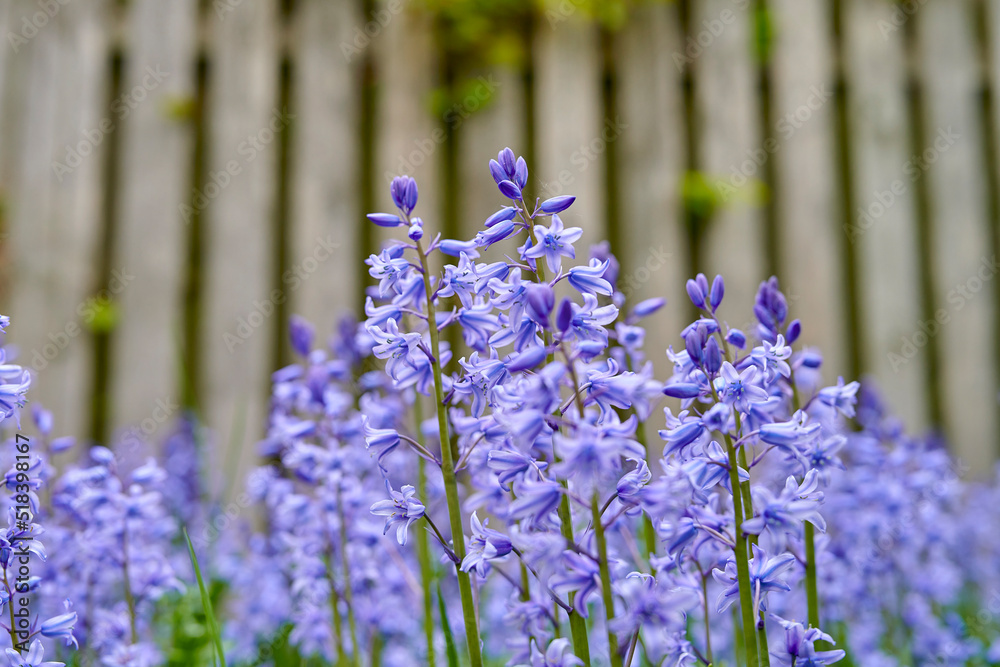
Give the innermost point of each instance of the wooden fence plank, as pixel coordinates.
(802, 126)
(241, 298)
(572, 135)
(884, 227)
(409, 136)
(56, 218)
(726, 108)
(966, 267)
(652, 164)
(325, 250)
(155, 182)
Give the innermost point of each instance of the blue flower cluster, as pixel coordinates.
(522, 499)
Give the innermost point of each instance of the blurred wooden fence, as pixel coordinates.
(206, 164)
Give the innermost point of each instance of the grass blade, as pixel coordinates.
(449, 639)
(206, 602)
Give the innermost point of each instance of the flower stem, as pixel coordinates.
(348, 589)
(708, 625)
(423, 548)
(338, 623)
(577, 624)
(448, 474)
(812, 592)
(609, 598)
(742, 561)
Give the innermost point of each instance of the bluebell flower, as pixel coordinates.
(392, 345)
(456, 248)
(401, 510)
(404, 193)
(738, 389)
(764, 578)
(301, 334)
(842, 397)
(772, 358)
(459, 280)
(589, 279)
(478, 324)
(61, 627)
(553, 243)
(580, 575)
(556, 204)
(632, 482)
(785, 512)
(35, 657)
(800, 646)
(536, 500)
(557, 654)
(587, 321)
(486, 545)
(388, 267)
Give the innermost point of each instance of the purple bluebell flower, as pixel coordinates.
(35, 657)
(738, 389)
(553, 243)
(401, 510)
(589, 279)
(486, 545)
(556, 204)
(557, 654)
(800, 646)
(301, 334)
(404, 193)
(764, 578)
(580, 575)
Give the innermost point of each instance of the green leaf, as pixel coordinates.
(449, 640)
(206, 602)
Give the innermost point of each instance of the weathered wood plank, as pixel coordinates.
(55, 213)
(155, 185)
(325, 211)
(572, 135)
(884, 228)
(728, 135)
(965, 267)
(652, 168)
(802, 127)
(240, 296)
(409, 137)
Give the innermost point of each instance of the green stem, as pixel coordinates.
(448, 473)
(129, 597)
(812, 592)
(577, 624)
(609, 598)
(348, 588)
(10, 609)
(338, 622)
(423, 546)
(742, 561)
(708, 626)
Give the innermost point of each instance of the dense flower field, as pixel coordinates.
(772, 520)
